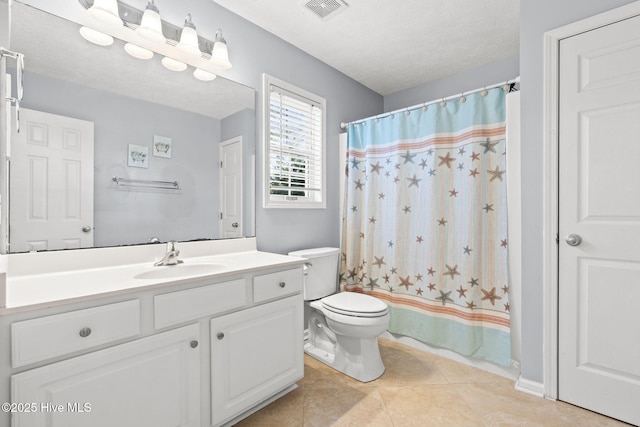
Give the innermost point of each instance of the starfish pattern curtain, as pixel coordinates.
(425, 223)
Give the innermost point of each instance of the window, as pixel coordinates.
(294, 146)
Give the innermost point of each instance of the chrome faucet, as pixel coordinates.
(171, 256)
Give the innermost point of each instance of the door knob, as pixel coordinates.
(86, 228)
(234, 225)
(573, 240)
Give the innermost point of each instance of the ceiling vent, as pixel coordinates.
(325, 9)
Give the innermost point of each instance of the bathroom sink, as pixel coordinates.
(180, 270)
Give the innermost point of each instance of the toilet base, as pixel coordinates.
(358, 358)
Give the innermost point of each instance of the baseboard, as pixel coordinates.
(530, 387)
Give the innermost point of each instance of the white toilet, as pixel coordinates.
(343, 328)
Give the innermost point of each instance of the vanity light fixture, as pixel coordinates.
(151, 32)
(188, 45)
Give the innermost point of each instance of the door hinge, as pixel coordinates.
(220, 215)
(557, 239)
(221, 163)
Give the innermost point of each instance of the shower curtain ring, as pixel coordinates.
(463, 99)
(443, 103)
(485, 92)
(406, 113)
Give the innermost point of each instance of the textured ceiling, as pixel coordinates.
(394, 45)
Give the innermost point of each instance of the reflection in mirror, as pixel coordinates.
(90, 114)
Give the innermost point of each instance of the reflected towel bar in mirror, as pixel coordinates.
(144, 183)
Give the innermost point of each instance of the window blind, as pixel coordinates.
(295, 147)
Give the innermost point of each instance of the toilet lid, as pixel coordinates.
(355, 304)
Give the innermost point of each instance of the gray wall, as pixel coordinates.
(125, 216)
(5, 29)
(252, 52)
(537, 17)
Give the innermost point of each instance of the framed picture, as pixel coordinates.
(138, 156)
(162, 146)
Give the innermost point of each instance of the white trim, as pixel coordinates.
(514, 221)
(533, 388)
(550, 181)
(342, 155)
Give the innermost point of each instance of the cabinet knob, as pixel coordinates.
(220, 335)
(193, 344)
(282, 284)
(85, 332)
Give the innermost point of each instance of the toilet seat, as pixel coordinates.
(354, 304)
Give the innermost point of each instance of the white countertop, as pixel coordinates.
(50, 288)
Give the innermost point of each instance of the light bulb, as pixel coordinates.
(137, 51)
(151, 25)
(205, 76)
(173, 65)
(189, 39)
(220, 54)
(105, 11)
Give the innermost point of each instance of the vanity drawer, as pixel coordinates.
(46, 337)
(191, 304)
(277, 285)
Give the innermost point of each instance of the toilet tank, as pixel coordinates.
(321, 273)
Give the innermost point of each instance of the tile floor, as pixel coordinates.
(417, 389)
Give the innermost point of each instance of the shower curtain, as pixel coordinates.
(425, 222)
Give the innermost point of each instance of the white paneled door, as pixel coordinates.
(51, 183)
(599, 221)
(231, 195)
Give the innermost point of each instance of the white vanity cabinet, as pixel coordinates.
(254, 354)
(204, 352)
(153, 381)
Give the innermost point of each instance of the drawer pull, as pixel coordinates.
(194, 344)
(282, 284)
(220, 335)
(85, 332)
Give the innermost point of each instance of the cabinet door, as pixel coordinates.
(255, 353)
(153, 381)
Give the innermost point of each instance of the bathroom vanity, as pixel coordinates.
(121, 342)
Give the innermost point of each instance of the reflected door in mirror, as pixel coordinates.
(231, 187)
(51, 183)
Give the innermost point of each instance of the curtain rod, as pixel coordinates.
(343, 125)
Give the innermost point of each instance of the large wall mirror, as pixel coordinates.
(181, 150)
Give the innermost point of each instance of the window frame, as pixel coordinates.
(269, 201)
